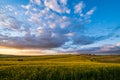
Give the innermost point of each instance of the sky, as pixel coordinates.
(42, 27)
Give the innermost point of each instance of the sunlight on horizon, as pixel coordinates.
(26, 52)
(4, 51)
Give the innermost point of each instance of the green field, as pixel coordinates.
(60, 67)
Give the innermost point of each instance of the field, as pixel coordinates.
(60, 67)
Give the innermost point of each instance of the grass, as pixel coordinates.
(60, 67)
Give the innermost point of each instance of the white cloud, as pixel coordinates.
(49, 25)
(90, 12)
(78, 8)
(26, 7)
(55, 6)
(9, 22)
(52, 4)
(63, 2)
(38, 2)
(52, 25)
(70, 34)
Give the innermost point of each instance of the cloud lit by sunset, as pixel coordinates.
(35, 27)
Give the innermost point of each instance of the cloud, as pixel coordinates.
(104, 49)
(78, 8)
(55, 5)
(31, 42)
(46, 24)
(38, 2)
(90, 12)
(52, 24)
(9, 22)
(114, 49)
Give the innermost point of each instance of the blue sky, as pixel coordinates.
(60, 26)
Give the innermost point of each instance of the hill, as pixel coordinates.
(60, 67)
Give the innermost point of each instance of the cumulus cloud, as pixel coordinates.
(46, 24)
(78, 8)
(90, 12)
(38, 2)
(9, 22)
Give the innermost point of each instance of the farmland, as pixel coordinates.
(60, 67)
